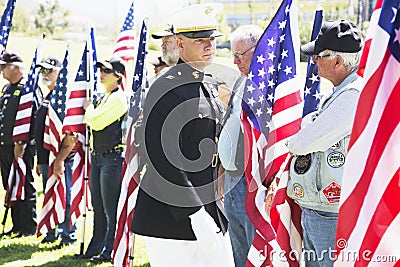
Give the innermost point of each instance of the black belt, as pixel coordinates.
(112, 150)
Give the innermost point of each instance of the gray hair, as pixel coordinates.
(350, 60)
(250, 34)
(20, 66)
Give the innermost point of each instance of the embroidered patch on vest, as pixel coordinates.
(302, 164)
(335, 159)
(298, 190)
(332, 192)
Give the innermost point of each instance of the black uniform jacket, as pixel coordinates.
(177, 144)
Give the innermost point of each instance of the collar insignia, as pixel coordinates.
(195, 74)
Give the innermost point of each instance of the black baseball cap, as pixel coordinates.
(49, 63)
(116, 64)
(339, 36)
(158, 62)
(10, 58)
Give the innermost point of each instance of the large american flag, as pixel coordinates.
(312, 88)
(371, 29)
(74, 122)
(54, 204)
(123, 241)
(5, 24)
(125, 45)
(272, 109)
(369, 213)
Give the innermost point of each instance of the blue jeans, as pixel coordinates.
(241, 230)
(105, 186)
(319, 231)
(64, 230)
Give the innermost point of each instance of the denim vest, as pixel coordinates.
(315, 178)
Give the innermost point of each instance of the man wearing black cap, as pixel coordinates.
(23, 212)
(159, 65)
(105, 119)
(49, 69)
(320, 147)
(177, 211)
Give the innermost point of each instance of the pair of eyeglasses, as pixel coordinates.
(107, 71)
(318, 57)
(45, 71)
(240, 56)
(3, 66)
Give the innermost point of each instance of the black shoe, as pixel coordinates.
(82, 256)
(100, 259)
(46, 241)
(66, 242)
(11, 232)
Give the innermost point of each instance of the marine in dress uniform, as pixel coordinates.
(23, 212)
(177, 210)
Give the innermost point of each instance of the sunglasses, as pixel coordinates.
(318, 57)
(240, 56)
(45, 71)
(107, 71)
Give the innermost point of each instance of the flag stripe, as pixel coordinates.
(372, 169)
(379, 141)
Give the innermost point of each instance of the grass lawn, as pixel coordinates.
(27, 251)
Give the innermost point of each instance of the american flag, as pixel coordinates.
(75, 122)
(53, 211)
(369, 211)
(125, 46)
(30, 97)
(5, 24)
(367, 44)
(16, 183)
(130, 173)
(312, 87)
(272, 109)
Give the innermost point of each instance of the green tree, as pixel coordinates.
(51, 18)
(20, 21)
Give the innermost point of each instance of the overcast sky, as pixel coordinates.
(102, 13)
(114, 11)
